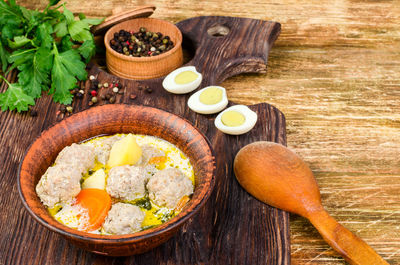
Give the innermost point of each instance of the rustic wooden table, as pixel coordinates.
(334, 73)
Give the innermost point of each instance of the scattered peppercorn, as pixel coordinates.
(90, 103)
(132, 96)
(63, 109)
(149, 90)
(103, 97)
(140, 44)
(112, 99)
(82, 91)
(108, 96)
(33, 113)
(115, 89)
(69, 109)
(95, 84)
(105, 85)
(93, 93)
(91, 77)
(79, 95)
(121, 92)
(94, 99)
(100, 85)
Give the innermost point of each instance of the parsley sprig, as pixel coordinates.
(50, 49)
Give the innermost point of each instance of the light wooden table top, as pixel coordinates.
(335, 74)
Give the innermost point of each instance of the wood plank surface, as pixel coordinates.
(334, 72)
(231, 220)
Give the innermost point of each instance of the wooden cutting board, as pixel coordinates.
(233, 227)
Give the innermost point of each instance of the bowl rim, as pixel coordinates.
(161, 56)
(171, 224)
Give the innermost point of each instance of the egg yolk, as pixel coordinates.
(185, 77)
(211, 96)
(232, 118)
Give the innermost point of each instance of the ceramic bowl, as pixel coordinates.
(111, 119)
(144, 67)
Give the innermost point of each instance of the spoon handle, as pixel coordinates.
(352, 248)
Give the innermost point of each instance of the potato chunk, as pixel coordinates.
(95, 181)
(125, 152)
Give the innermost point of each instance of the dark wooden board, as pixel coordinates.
(232, 228)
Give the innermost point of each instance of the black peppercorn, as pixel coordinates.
(95, 82)
(140, 44)
(63, 109)
(33, 113)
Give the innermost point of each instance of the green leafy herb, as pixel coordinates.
(166, 216)
(15, 98)
(48, 48)
(66, 67)
(144, 203)
(87, 50)
(3, 57)
(147, 227)
(34, 73)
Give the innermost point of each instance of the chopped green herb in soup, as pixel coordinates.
(117, 184)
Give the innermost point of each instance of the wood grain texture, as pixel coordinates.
(334, 73)
(233, 227)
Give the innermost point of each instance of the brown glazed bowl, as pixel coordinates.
(144, 67)
(111, 119)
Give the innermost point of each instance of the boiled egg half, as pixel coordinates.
(182, 80)
(235, 120)
(211, 99)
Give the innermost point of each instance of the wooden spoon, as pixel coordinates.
(277, 176)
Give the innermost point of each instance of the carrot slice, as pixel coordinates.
(157, 160)
(97, 203)
(182, 202)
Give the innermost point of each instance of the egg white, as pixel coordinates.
(196, 105)
(171, 86)
(250, 121)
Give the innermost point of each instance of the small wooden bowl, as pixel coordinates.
(111, 119)
(144, 67)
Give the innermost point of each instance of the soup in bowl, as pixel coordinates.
(150, 128)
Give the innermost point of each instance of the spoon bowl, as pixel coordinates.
(263, 168)
(277, 176)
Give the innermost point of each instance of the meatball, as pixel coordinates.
(59, 183)
(126, 182)
(168, 186)
(149, 171)
(149, 152)
(77, 156)
(123, 218)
